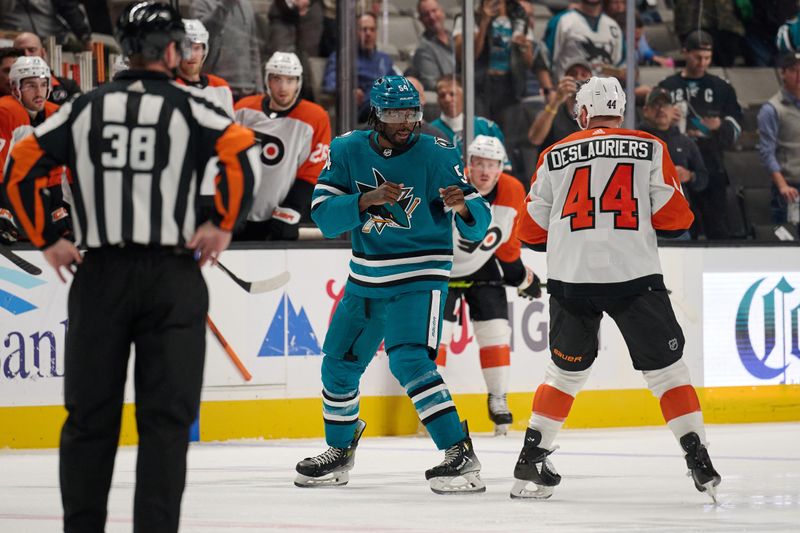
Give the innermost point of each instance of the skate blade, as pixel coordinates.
(521, 490)
(501, 430)
(710, 488)
(467, 483)
(335, 479)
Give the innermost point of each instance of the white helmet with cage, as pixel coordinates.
(601, 97)
(284, 64)
(196, 33)
(29, 67)
(488, 148)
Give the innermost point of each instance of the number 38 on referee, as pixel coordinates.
(136, 148)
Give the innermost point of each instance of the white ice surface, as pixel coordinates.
(620, 480)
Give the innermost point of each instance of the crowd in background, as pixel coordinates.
(525, 80)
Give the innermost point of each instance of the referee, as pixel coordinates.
(137, 148)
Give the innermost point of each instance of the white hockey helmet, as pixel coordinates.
(29, 67)
(488, 148)
(196, 32)
(284, 64)
(602, 97)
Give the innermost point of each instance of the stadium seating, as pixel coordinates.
(746, 170)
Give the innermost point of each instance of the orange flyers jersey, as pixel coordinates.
(294, 145)
(597, 198)
(215, 89)
(15, 125)
(508, 206)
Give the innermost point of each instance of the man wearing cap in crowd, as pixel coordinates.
(557, 119)
(710, 113)
(658, 116)
(779, 138)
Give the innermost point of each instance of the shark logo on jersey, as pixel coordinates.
(596, 54)
(393, 216)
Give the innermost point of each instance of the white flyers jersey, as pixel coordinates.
(215, 89)
(571, 39)
(294, 146)
(597, 198)
(501, 239)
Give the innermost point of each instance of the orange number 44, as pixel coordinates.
(617, 198)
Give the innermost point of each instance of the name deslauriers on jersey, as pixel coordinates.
(559, 158)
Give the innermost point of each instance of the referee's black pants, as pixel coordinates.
(157, 300)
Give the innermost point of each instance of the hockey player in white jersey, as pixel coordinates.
(483, 269)
(295, 136)
(195, 49)
(598, 199)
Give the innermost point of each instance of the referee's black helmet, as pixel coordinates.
(147, 28)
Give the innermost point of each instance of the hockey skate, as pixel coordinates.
(534, 467)
(499, 413)
(331, 467)
(459, 473)
(701, 470)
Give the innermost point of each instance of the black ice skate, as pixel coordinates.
(459, 473)
(534, 467)
(331, 467)
(499, 413)
(701, 470)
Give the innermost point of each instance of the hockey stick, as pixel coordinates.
(227, 347)
(30, 268)
(257, 287)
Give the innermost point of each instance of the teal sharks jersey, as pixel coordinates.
(408, 246)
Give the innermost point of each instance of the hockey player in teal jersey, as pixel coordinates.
(398, 192)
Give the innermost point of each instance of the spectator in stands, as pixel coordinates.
(759, 39)
(779, 137)
(63, 89)
(372, 64)
(450, 96)
(557, 119)
(46, 18)
(658, 116)
(645, 55)
(788, 37)
(7, 57)
(434, 56)
(425, 126)
(327, 43)
(720, 18)
(233, 43)
(295, 26)
(504, 53)
(585, 35)
(711, 114)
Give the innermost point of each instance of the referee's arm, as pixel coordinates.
(28, 174)
(235, 147)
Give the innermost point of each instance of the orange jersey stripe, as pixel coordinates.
(511, 193)
(250, 102)
(552, 403)
(26, 154)
(494, 356)
(233, 141)
(679, 401)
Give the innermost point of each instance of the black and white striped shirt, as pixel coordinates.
(137, 148)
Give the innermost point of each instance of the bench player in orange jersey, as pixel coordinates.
(295, 136)
(195, 51)
(598, 200)
(481, 270)
(21, 111)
